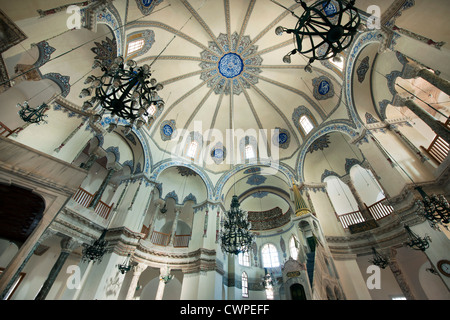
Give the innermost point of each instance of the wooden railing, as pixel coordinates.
(439, 148)
(145, 230)
(350, 218)
(103, 210)
(6, 132)
(159, 238)
(379, 210)
(85, 198)
(181, 240)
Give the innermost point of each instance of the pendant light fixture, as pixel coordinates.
(33, 115)
(125, 91)
(378, 259)
(326, 28)
(415, 242)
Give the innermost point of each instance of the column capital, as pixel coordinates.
(70, 244)
(139, 268)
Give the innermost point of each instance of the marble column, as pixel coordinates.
(397, 272)
(361, 205)
(137, 271)
(435, 80)
(153, 221)
(67, 246)
(174, 226)
(164, 278)
(58, 149)
(47, 234)
(99, 193)
(438, 127)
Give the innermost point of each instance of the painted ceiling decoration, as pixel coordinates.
(186, 172)
(147, 6)
(323, 88)
(370, 119)
(45, 51)
(167, 129)
(320, 143)
(219, 153)
(281, 138)
(256, 180)
(229, 65)
(362, 69)
(252, 170)
(105, 51)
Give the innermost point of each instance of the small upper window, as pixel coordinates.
(293, 247)
(244, 259)
(135, 45)
(306, 124)
(244, 285)
(192, 149)
(249, 152)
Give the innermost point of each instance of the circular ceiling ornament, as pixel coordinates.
(230, 64)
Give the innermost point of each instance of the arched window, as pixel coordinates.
(306, 124)
(249, 152)
(304, 120)
(134, 46)
(244, 259)
(191, 152)
(244, 285)
(293, 249)
(269, 255)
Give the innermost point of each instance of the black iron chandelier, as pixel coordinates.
(95, 251)
(235, 236)
(378, 259)
(325, 29)
(125, 266)
(124, 91)
(33, 115)
(435, 209)
(415, 242)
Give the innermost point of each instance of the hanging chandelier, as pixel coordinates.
(33, 115)
(378, 259)
(435, 209)
(325, 29)
(415, 242)
(125, 266)
(124, 91)
(235, 235)
(95, 251)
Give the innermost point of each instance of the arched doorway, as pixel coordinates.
(20, 212)
(297, 292)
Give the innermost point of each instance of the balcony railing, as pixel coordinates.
(439, 148)
(85, 198)
(6, 132)
(379, 210)
(181, 240)
(350, 218)
(159, 238)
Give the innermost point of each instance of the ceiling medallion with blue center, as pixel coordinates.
(230, 63)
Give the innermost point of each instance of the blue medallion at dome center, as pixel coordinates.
(231, 65)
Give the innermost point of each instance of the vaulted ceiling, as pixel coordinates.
(221, 66)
